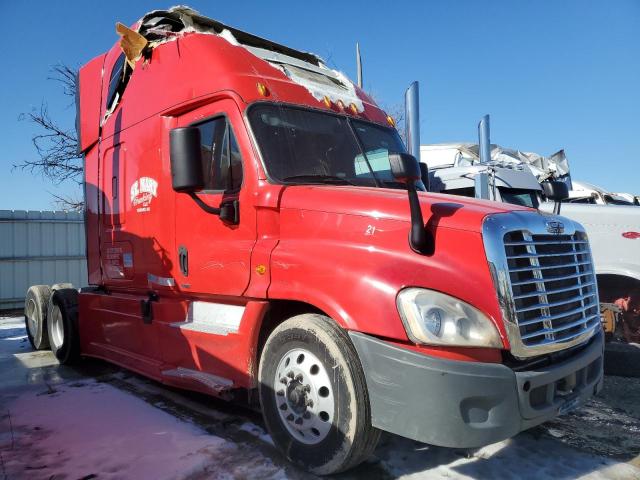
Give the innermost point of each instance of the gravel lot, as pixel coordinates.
(99, 421)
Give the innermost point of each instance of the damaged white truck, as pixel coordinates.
(612, 222)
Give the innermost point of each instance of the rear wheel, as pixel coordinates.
(314, 396)
(35, 316)
(63, 325)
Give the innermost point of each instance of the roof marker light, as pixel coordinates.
(340, 104)
(391, 121)
(262, 89)
(353, 108)
(327, 101)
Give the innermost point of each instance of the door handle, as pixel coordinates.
(146, 308)
(183, 260)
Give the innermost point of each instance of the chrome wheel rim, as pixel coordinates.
(32, 324)
(57, 329)
(304, 396)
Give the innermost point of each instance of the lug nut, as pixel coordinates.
(299, 377)
(283, 406)
(307, 388)
(290, 375)
(290, 417)
(309, 403)
(298, 421)
(306, 415)
(280, 393)
(283, 380)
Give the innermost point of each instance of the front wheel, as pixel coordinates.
(314, 397)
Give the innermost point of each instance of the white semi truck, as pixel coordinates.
(492, 172)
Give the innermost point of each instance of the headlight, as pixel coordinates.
(435, 318)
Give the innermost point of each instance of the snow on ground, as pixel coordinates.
(57, 422)
(90, 428)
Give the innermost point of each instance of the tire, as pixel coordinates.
(36, 303)
(63, 325)
(309, 364)
(60, 286)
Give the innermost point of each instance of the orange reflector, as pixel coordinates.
(262, 89)
(327, 101)
(353, 108)
(391, 121)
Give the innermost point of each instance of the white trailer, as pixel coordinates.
(510, 176)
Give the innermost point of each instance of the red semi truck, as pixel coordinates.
(254, 225)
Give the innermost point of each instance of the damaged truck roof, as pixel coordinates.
(162, 26)
(158, 25)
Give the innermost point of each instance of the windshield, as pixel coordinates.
(307, 146)
(515, 196)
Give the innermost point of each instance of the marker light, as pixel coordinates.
(391, 121)
(327, 101)
(353, 108)
(340, 104)
(262, 89)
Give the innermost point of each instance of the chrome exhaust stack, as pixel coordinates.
(484, 140)
(412, 119)
(359, 64)
(485, 182)
(412, 128)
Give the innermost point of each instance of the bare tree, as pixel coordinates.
(57, 156)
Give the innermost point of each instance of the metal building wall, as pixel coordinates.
(38, 248)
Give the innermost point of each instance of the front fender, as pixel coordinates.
(621, 269)
(352, 267)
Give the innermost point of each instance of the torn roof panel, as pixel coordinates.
(303, 68)
(182, 17)
(235, 61)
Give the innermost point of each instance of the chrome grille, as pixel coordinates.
(553, 286)
(544, 278)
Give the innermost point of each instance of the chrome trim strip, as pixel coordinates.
(547, 255)
(547, 267)
(553, 279)
(553, 292)
(538, 306)
(581, 335)
(561, 328)
(531, 223)
(524, 244)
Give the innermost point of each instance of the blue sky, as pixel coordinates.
(552, 74)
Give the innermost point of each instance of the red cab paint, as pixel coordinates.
(188, 297)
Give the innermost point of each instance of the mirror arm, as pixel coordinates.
(204, 206)
(418, 236)
(556, 207)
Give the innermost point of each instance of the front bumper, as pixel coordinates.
(470, 404)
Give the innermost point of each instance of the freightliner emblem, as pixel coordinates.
(555, 227)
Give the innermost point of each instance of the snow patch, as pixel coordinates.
(95, 429)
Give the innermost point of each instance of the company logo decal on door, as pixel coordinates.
(142, 193)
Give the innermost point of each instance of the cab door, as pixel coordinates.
(212, 263)
(212, 254)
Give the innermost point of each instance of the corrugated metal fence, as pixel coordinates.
(39, 248)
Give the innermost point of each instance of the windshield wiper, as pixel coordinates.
(330, 179)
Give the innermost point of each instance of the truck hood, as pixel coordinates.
(448, 211)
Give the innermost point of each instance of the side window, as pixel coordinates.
(221, 160)
(117, 82)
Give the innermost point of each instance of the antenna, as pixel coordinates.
(359, 64)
